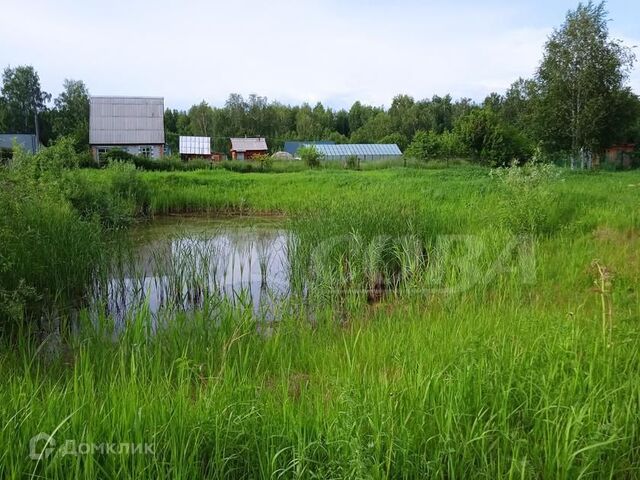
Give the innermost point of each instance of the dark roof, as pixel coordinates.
(25, 140)
(126, 121)
(249, 144)
(292, 147)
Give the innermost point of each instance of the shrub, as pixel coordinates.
(264, 162)
(237, 166)
(352, 163)
(425, 146)
(117, 154)
(310, 155)
(114, 203)
(48, 252)
(491, 141)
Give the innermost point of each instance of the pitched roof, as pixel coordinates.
(126, 120)
(195, 145)
(360, 149)
(249, 144)
(25, 140)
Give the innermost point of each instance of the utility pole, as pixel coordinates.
(35, 121)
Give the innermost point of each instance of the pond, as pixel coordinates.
(184, 262)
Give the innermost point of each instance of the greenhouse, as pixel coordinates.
(364, 152)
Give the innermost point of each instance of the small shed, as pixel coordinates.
(247, 148)
(27, 142)
(195, 147)
(620, 155)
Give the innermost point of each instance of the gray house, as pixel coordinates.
(132, 124)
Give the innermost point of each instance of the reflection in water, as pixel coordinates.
(188, 263)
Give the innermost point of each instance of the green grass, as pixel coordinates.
(509, 377)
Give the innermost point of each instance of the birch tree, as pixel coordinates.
(582, 73)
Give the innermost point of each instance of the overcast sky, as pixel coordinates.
(294, 51)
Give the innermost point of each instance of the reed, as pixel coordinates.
(425, 336)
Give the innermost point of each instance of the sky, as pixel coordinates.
(292, 51)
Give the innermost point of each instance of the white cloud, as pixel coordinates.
(292, 51)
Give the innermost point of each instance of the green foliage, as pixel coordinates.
(264, 162)
(22, 97)
(395, 138)
(579, 83)
(238, 166)
(352, 163)
(48, 252)
(127, 185)
(492, 141)
(430, 146)
(71, 114)
(527, 200)
(117, 154)
(116, 201)
(165, 164)
(512, 366)
(310, 155)
(425, 146)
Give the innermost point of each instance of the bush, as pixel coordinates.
(352, 163)
(263, 161)
(48, 251)
(237, 166)
(491, 141)
(115, 203)
(310, 155)
(425, 146)
(431, 145)
(117, 154)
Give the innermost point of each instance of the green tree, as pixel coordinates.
(71, 115)
(425, 146)
(581, 75)
(490, 140)
(23, 98)
(3, 115)
(201, 120)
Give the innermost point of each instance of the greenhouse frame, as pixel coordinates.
(364, 151)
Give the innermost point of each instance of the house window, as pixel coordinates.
(145, 151)
(101, 153)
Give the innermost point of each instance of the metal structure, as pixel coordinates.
(195, 146)
(293, 146)
(364, 151)
(25, 140)
(133, 124)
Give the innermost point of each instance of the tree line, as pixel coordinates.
(577, 104)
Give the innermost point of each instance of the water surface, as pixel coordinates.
(183, 262)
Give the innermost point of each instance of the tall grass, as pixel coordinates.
(490, 353)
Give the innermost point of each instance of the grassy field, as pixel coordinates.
(503, 342)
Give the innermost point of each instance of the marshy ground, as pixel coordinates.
(439, 323)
